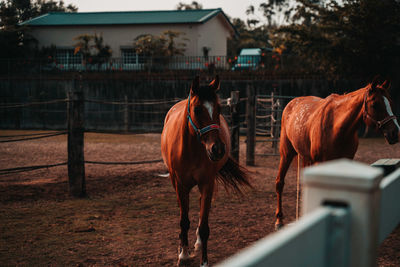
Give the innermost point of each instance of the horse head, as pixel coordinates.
(378, 110)
(204, 117)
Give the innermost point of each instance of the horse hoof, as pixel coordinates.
(278, 226)
(183, 254)
(187, 260)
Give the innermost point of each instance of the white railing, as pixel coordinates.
(348, 210)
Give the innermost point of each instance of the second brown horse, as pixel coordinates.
(319, 129)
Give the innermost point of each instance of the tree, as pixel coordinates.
(43, 7)
(273, 10)
(255, 37)
(346, 38)
(83, 47)
(193, 5)
(174, 48)
(159, 48)
(163, 45)
(103, 52)
(150, 45)
(92, 49)
(14, 41)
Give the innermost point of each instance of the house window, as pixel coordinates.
(66, 56)
(130, 57)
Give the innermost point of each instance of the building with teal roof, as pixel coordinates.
(204, 29)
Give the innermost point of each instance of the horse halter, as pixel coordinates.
(202, 131)
(380, 123)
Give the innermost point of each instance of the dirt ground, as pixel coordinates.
(131, 216)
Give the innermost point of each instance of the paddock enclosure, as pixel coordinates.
(130, 216)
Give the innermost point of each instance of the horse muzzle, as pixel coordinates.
(392, 137)
(217, 151)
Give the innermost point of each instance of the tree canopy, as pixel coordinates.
(14, 41)
(347, 38)
(92, 49)
(193, 5)
(164, 45)
(249, 37)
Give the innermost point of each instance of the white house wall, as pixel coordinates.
(211, 34)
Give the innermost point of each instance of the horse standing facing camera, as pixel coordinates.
(195, 146)
(319, 129)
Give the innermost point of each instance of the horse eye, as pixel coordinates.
(198, 110)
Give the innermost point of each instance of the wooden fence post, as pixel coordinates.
(126, 114)
(275, 118)
(272, 115)
(76, 161)
(251, 125)
(235, 124)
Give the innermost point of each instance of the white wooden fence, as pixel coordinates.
(348, 209)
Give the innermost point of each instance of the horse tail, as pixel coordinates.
(233, 176)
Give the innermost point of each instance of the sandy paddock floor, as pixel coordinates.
(131, 216)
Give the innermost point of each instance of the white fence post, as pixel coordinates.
(347, 183)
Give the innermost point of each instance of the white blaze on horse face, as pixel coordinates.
(390, 112)
(209, 108)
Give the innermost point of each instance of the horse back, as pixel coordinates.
(296, 126)
(310, 125)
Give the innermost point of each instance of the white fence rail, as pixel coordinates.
(389, 208)
(348, 210)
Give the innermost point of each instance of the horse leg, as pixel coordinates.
(183, 199)
(286, 158)
(203, 230)
(197, 245)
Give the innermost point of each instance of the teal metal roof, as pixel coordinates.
(250, 52)
(125, 18)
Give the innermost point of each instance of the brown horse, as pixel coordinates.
(319, 129)
(195, 146)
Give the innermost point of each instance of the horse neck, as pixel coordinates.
(350, 110)
(186, 135)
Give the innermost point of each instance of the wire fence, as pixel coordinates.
(268, 112)
(30, 138)
(35, 136)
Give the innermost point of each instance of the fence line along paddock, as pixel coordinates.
(22, 135)
(155, 108)
(75, 132)
(123, 163)
(30, 168)
(76, 129)
(31, 138)
(154, 102)
(20, 105)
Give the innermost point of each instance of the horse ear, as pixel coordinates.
(386, 85)
(376, 81)
(214, 85)
(195, 85)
